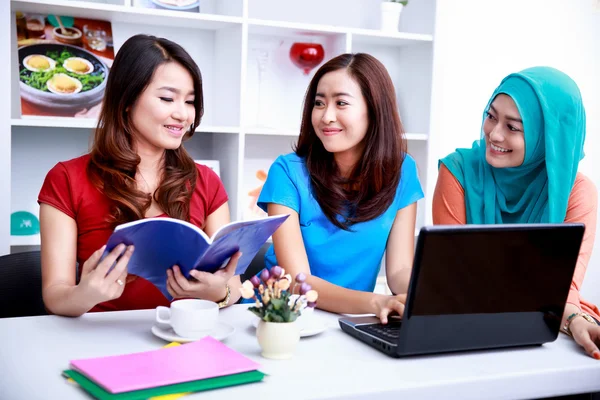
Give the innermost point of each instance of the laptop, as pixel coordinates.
(476, 287)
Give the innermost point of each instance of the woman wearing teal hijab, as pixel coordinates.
(523, 169)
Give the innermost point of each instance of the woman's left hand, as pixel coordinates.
(204, 285)
(587, 335)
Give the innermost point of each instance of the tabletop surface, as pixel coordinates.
(34, 351)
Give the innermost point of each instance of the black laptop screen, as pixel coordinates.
(504, 270)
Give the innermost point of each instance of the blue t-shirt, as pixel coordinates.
(350, 259)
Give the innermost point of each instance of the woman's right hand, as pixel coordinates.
(386, 305)
(95, 285)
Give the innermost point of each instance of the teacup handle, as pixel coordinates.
(159, 318)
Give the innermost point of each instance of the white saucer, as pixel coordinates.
(314, 327)
(220, 332)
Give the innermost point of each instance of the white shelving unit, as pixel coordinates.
(226, 39)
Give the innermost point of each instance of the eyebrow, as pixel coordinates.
(174, 90)
(338, 94)
(508, 117)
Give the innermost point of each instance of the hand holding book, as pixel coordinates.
(100, 281)
(203, 284)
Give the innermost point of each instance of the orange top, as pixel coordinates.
(449, 209)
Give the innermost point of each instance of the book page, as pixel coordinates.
(245, 236)
(232, 226)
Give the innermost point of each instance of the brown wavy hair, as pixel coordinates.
(370, 188)
(113, 163)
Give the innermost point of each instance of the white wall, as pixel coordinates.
(478, 42)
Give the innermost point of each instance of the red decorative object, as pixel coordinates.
(307, 55)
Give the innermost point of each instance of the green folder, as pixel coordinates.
(193, 386)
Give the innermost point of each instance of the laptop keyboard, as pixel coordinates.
(388, 332)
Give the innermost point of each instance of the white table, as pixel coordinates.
(34, 351)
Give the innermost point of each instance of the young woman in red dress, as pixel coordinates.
(137, 168)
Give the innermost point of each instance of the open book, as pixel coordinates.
(161, 243)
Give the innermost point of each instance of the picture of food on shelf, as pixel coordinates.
(177, 5)
(63, 64)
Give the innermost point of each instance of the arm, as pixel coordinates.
(208, 286)
(582, 207)
(400, 249)
(291, 255)
(448, 200)
(58, 251)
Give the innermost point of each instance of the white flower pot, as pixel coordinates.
(278, 340)
(390, 16)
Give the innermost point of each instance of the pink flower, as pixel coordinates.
(301, 277)
(247, 290)
(255, 281)
(283, 284)
(311, 296)
(264, 275)
(277, 272)
(305, 287)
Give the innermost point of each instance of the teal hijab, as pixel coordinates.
(538, 191)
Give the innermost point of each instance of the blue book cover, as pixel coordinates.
(161, 243)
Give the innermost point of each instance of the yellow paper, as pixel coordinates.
(168, 396)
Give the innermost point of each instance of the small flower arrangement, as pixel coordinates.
(271, 292)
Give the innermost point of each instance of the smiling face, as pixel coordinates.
(164, 112)
(504, 135)
(340, 115)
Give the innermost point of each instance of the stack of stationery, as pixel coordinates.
(202, 365)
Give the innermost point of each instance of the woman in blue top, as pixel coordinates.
(350, 189)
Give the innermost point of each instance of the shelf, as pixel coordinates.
(417, 136)
(381, 38)
(283, 28)
(126, 14)
(55, 122)
(271, 131)
(29, 240)
(218, 129)
(87, 123)
(363, 36)
(296, 132)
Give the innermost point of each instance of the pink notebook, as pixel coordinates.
(205, 358)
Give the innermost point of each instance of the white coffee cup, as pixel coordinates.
(190, 318)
